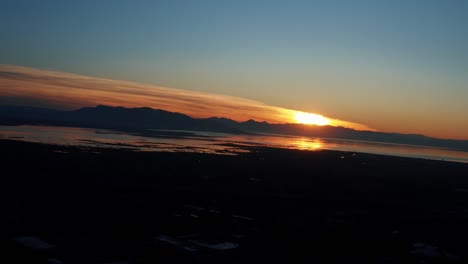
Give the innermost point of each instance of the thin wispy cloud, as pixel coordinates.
(21, 85)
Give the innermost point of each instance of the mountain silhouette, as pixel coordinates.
(144, 118)
(118, 118)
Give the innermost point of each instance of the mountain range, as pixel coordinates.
(141, 119)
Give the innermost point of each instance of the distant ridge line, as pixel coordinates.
(144, 118)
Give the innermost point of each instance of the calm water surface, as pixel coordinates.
(218, 143)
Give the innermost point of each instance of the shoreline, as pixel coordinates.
(100, 205)
(241, 145)
(173, 141)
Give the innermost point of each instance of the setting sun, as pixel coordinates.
(311, 119)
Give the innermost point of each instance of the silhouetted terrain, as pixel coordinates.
(98, 205)
(111, 118)
(120, 118)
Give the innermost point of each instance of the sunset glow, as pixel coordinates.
(60, 90)
(307, 144)
(405, 74)
(311, 119)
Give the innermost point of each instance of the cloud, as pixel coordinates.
(21, 85)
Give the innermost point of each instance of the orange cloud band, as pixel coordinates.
(71, 91)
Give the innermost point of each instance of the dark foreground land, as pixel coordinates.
(82, 205)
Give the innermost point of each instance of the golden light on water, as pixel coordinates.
(307, 144)
(311, 119)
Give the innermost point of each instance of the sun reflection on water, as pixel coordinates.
(307, 144)
(202, 142)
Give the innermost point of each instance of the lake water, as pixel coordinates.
(218, 143)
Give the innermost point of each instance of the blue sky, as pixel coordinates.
(394, 65)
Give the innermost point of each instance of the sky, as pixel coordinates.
(397, 66)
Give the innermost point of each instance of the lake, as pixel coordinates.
(216, 143)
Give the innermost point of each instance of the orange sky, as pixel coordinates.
(390, 65)
(20, 85)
